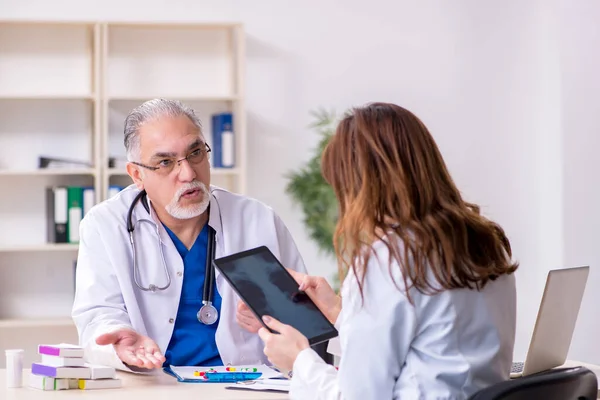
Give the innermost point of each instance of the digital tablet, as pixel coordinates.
(268, 289)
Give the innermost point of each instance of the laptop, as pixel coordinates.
(555, 321)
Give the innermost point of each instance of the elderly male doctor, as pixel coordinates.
(139, 310)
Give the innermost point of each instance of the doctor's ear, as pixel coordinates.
(136, 174)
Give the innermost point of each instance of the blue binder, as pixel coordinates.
(223, 148)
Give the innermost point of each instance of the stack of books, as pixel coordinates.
(62, 367)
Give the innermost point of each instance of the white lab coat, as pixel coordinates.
(446, 346)
(107, 297)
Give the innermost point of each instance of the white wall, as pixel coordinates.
(509, 89)
(580, 106)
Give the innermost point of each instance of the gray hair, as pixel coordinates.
(149, 111)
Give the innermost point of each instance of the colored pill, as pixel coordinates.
(230, 369)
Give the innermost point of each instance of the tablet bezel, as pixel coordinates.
(261, 249)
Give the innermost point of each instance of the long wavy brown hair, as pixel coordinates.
(391, 182)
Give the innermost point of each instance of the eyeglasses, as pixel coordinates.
(166, 165)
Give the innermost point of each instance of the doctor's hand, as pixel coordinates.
(282, 349)
(321, 293)
(133, 349)
(246, 319)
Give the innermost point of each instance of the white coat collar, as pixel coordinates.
(215, 220)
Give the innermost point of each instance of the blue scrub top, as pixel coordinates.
(193, 343)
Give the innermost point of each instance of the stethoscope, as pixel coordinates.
(207, 314)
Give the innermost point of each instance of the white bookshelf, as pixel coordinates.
(48, 247)
(36, 323)
(48, 172)
(65, 90)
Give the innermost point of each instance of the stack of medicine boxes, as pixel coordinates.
(62, 367)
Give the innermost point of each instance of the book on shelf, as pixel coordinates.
(65, 208)
(117, 162)
(54, 162)
(113, 190)
(223, 140)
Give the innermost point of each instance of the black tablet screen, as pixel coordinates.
(268, 289)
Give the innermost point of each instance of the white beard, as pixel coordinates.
(178, 211)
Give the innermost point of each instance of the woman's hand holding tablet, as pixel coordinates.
(270, 290)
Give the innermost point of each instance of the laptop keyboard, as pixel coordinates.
(517, 367)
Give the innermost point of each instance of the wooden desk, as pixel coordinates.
(163, 386)
(135, 386)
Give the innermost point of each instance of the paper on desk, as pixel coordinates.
(272, 384)
(188, 372)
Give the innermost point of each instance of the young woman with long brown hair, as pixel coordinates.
(429, 300)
